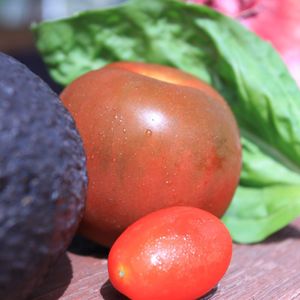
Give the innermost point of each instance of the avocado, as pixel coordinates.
(43, 179)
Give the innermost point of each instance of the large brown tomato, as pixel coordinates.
(154, 137)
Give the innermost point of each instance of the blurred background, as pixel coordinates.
(16, 16)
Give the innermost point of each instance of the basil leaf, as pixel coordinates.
(244, 69)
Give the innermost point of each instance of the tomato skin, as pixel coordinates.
(151, 144)
(177, 253)
(169, 75)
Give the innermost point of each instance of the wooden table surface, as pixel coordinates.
(269, 270)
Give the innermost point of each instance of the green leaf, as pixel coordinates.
(260, 169)
(256, 213)
(244, 69)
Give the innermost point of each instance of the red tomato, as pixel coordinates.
(154, 137)
(175, 253)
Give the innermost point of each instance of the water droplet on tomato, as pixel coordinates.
(148, 132)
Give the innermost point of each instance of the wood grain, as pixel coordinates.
(269, 270)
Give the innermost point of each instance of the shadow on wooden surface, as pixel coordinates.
(84, 247)
(210, 293)
(108, 292)
(288, 232)
(56, 282)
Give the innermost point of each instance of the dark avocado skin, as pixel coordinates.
(43, 179)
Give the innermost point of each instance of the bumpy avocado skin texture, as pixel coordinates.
(42, 179)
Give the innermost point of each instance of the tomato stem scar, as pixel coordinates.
(121, 273)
